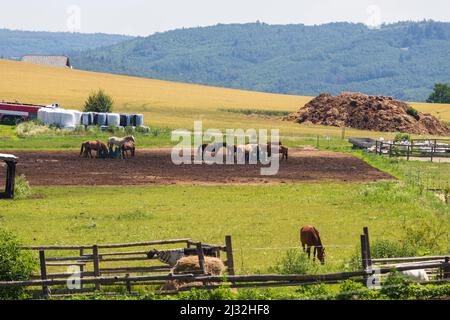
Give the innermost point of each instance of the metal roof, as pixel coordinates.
(54, 61)
(8, 157)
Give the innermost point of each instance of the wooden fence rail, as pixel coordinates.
(293, 279)
(98, 275)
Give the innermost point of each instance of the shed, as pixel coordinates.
(53, 61)
(11, 162)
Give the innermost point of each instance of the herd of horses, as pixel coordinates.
(124, 145)
(127, 147)
(246, 151)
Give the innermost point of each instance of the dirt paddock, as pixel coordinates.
(154, 166)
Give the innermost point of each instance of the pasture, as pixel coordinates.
(274, 214)
(145, 199)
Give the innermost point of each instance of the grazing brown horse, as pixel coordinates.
(281, 150)
(88, 146)
(128, 146)
(309, 236)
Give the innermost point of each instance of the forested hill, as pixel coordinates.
(403, 59)
(14, 44)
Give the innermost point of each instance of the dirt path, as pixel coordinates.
(154, 166)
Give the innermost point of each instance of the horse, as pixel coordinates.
(284, 152)
(309, 236)
(247, 150)
(88, 146)
(114, 141)
(128, 146)
(210, 147)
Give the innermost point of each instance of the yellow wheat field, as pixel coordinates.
(164, 103)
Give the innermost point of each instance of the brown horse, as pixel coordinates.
(128, 146)
(213, 148)
(282, 150)
(88, 146)
(309, 236)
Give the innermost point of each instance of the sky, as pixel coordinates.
(145, 17)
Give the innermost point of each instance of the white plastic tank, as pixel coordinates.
(42, 115)
(113, 119)
(139, 119)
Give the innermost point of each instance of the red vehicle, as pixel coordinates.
(15, 112)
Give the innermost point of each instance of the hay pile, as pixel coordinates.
(361, 111)
(189, 264)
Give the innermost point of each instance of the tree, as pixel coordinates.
(99, 102)
(441, 93)
(15, 265)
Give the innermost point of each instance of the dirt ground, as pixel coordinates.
(154, 167)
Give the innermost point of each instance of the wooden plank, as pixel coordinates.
(230, 258)
(107, 246)
(406, 259)
(241, 278)
(124, 259)
(65, 264)
(135, 269)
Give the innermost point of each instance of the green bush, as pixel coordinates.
(198, 294)
(314, 292)
(395, 286)
(413, 112)
(15, 265)
(402, 136)
(22, 189)
(391, 249)
(294, 262)
(99, 102)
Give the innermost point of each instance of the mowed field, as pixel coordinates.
(166, 104)
(264, 220)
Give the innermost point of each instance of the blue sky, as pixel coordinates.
(144, 17)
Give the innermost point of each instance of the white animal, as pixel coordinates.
(418, 274)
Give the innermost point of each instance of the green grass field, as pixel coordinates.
(263, 220)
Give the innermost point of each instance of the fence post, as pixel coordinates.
(81, 268)
(43, 266)
(96, 265)
(230, 258)
(368, 253)
(447, 269)
(128, 283)
(364, 255)
(201, 257)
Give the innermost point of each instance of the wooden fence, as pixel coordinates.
(94, 263)
(159, 274)
(421, 148)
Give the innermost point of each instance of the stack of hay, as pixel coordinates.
(190, 264)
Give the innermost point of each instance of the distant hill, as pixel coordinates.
(403, 59)
(15, 44)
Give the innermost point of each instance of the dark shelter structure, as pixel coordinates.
(11, 162)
